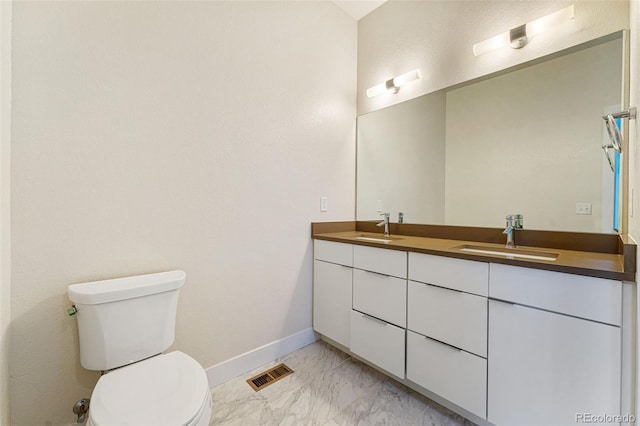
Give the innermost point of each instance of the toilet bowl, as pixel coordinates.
(125, 326)
(169, 389)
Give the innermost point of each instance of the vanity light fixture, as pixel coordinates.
(519, 36)
(393, 85)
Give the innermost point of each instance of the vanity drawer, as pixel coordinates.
(457, 274)
(455, 375)
(378, 342)
(382, 261)
(453, 317)
(333, 252)
(591, 298)
(380, 296)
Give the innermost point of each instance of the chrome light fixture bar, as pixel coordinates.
(519, 36)
(393, 85)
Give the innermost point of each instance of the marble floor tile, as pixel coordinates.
(310, 362)
(327, 388)
(392, 403)
(329, 392)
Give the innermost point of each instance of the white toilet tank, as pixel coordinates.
(124, 320)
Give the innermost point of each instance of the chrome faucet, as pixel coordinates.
(514, 221)
(385, 223)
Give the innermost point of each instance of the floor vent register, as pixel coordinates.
(269, 377)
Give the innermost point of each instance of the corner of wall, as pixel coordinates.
(5, 242)
(241, 364)
(634, 161)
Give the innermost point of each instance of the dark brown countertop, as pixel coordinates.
(589, 263)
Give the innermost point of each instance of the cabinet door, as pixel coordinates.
(332, 301)
(546, 368)
(378, 342)
(453, 374)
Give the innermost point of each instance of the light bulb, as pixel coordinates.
(393, 84)
(376, 90)
(406, 78)
(556, 18)
(501, 40)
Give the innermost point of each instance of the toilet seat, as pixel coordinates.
(168, 389)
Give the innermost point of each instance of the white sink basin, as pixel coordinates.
(508, 253)
(375, 239)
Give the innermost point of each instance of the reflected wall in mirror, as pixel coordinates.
(526, 141)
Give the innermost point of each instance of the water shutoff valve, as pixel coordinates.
(80, 408)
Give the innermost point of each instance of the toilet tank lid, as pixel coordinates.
(96, 292)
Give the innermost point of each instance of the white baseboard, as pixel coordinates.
(241, 364)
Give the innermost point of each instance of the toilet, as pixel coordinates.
(125, 325)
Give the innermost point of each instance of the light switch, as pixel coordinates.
(324, 204)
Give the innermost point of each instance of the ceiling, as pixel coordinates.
(358, 8)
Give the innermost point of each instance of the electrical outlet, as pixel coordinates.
(379, 206)
(583, 208)
(324, 204)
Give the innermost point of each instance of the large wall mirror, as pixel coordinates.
(523, 141)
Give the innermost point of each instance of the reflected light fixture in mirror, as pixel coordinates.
(393, 85)
(519, 36)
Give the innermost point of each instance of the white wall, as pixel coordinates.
(150, 136)
(5, 224)
(438, 36)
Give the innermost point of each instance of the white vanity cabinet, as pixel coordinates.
(496, 343)
(332, 289)
(378, 318)
(447, 329)
(554, 346)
